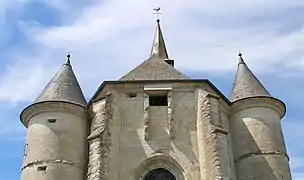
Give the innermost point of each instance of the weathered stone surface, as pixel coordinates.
(146, 116)
(100, 141)
(170, 115)
(213, 142)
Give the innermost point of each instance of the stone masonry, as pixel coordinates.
(213, 142)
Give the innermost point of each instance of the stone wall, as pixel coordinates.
(225, 115)
(144, 137)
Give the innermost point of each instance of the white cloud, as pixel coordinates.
(23, 80)
(109, 38)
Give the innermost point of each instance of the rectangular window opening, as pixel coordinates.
(160, 100)
(51, 120)
(41, 168)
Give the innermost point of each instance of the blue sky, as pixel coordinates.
(109, 38)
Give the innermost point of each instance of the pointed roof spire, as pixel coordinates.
(63, 87)
(158, 46)
(158, 66)
(246, 84)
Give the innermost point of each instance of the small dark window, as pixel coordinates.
(158, 101)
(170, 62)
(41, 168)
(131, 95)
(51, 120)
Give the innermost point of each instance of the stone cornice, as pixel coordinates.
(259, 101)
(50, 106)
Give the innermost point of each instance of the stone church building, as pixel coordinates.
(155, 123)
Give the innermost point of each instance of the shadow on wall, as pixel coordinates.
(183, 124)
(132, 148)
(258, 149)
(183, 138)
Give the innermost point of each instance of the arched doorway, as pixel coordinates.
(159, 174)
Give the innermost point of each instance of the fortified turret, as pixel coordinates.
(258, 143)
(56, 130)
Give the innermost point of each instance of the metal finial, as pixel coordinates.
(241, 60)
(157, 13)
(68, 61)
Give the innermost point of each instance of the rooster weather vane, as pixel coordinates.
(157, 12)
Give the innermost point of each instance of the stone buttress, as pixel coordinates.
(100, 142)
(212, 139)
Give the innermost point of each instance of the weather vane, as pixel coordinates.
(157, 12)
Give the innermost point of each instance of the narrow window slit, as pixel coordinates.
(132, 95)
(51, 120)
(41, 168)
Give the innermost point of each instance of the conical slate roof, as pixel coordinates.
(158, 46)
(154, 68)
(246, 84)
(63, 87)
